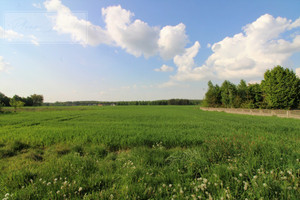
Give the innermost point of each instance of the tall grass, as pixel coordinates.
(147, 152)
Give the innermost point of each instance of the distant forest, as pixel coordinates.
(126, 103)
(280, 89)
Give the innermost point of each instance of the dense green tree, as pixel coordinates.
(4, 99)
(255, 96)
(213, 95)
(28, 101)
(1, 105)
(243, 91)
(37, 100)
(228, 94)
(281, 88)
(17, 98)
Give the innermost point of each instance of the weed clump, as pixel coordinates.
(19, 146)
(63, 151)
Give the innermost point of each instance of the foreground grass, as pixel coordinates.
(147, 152)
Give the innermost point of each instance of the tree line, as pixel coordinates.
(127, 103)
(280, 89)
(17, 101)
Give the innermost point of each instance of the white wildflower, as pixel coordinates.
(265, 185)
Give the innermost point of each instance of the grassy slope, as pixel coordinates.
(146, 152)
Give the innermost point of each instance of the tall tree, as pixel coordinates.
(213, 95)
(228, 94)
(255, 96)
(37, 100)
(243, 92)
(281, 88)
(4, 99)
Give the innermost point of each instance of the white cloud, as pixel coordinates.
(164, 68)
(186, 68)
(298, 72)
(245, 55)
(10, 34)
(260, 47)
(172, 40)
(134, 36)
(81, 31)
(4, 66)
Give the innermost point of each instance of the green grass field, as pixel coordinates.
(147, 152)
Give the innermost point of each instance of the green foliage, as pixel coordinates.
(147, 152)
(14, 102)
(37, 100)
(281, 88)
(228, 94)
(256, 96)
(127, 103)
(4, 100)
(33, 100)
(1, 105)
(213, 95)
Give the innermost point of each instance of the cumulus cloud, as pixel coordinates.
(134, 36)
(261, 45)
(245, 55)
(186, 67)
(4, 66)
(258, 48)
(81, 30)
(172, 41)
(164, 68)
(10, 34)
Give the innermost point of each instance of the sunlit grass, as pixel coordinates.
(147, 152)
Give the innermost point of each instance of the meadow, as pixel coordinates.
(147, 152)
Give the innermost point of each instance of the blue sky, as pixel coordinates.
(141, 50)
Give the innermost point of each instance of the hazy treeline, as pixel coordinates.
(127, 103)
(280, 89)
(32, 100)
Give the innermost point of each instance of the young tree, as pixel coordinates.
(281, 88)
(16, 104)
